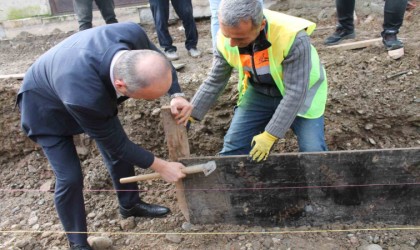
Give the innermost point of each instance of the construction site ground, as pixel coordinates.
(373, 103)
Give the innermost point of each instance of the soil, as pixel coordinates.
(373, 103)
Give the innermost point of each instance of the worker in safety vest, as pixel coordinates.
(282, 83)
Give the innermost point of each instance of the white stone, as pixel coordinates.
(396, 53)
(370, 247)
(175, 238)
(100, 243)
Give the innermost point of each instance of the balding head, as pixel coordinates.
(145, 74)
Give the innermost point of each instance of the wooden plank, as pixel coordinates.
(297, 189)
(14, 76)
(325, 28)
(357, 45)
(177, 141)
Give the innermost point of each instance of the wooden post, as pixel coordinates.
(177, 141)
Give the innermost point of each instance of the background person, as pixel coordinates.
(184, 10)
(393, 18)
(83, 10)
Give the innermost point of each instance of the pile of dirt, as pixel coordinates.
(371, 105)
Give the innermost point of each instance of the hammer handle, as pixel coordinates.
(145, 177)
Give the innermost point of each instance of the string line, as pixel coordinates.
(217, 233)
(227, 189)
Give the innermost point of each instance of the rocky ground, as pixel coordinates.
(373, 103)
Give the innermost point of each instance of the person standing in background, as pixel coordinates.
(393, 18)
(83, 10)
(184, 10)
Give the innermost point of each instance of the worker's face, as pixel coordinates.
(243, 34)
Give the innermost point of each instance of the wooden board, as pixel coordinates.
(357, 45)
(298, 189)
(177, 141)
(14, 76)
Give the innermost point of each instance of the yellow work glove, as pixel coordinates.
(262, 144)
(190, 121)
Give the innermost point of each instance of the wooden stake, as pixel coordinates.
(177, 141)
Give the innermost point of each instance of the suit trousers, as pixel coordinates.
(68, 195)
(393, 14)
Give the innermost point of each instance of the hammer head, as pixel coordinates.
(209, 167)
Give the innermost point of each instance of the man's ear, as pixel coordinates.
(263, 23)
(120, 86)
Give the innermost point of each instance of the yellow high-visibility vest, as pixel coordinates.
(281, 33)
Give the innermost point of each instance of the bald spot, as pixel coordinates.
(156, 71)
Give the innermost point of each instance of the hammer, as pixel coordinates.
(206, 168)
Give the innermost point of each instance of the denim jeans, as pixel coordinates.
(184, 10)
(83, 10)
(214, 21)
(393, 13)
(253, 114)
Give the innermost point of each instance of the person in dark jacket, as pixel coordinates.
(75, 88)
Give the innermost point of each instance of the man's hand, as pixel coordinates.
(181, 109)
(170, 171)
(262, 145)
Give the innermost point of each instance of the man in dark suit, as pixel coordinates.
(75, 88)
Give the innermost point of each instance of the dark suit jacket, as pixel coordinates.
(68, 91)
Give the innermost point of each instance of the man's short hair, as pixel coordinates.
(231, 12)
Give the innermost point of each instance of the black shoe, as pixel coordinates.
(390, 40)
(79, 247)
(339, 34)
(144, 209)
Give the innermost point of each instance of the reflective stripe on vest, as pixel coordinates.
(282, 30)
